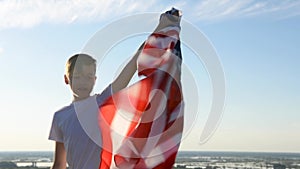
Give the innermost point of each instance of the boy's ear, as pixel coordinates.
(66, 79)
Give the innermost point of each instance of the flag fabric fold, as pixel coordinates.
(141, 125)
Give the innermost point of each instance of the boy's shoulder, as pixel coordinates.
(64, 111)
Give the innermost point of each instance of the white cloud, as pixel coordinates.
(211, 10)
(33, 12)
(1, 50)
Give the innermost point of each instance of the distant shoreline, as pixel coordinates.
(206, 151)
(184, 159)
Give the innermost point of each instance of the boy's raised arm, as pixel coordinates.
(126, 74)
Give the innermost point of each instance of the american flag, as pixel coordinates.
(142, 124)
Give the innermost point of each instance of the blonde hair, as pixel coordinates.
(78, 60)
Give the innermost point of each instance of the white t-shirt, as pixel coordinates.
(70, 127)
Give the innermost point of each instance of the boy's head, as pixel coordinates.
(81, 75)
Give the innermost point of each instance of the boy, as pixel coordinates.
(72, 144)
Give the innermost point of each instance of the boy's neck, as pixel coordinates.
(75, 98)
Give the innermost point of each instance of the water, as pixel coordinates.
(25, 158)
(232, 160)
(187, 159)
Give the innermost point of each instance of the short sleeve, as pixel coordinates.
(106, 93)
(55, 131)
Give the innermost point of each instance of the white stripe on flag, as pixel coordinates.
(156, 157)
(170, 28)
(120, 126)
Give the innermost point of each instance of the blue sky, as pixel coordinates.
(257, 43)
